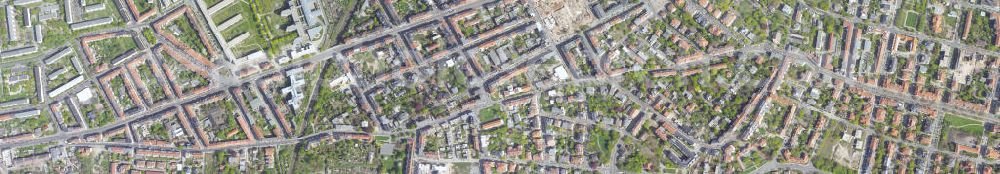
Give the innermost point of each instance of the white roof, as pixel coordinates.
(560, 72)
(85, 95)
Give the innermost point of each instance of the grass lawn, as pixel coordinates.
(491, 113)
(453, 77)
(602, 141)
(406, 8)
(56, 34)
(20, 90)
(63, 78)
(912, 18)
(260, 20)
(830, 139)
(462, 168)
(963, 124)
(211, 3)
(827, 164)
(372, 64)
(107, 49)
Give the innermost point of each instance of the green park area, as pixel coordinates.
(158, 131)
(962, 124)
(395, 162)
(912, 19)
(912, 15)
(451, 77)
(827, 164)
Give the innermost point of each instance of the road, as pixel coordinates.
(332, 55)
(315, 59)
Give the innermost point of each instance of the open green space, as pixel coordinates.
(601, 141)
(407, 8)
(144, 6)
(827, 164)
(261, 22)
(18, 83)
(395, 163)
(63, 64)
(452, 77)
(912, 19)
(963, 124)
(491, 113)
(372, 64)
(110, 48)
